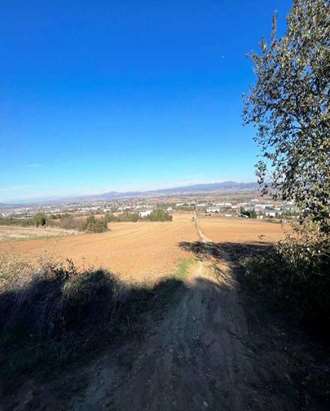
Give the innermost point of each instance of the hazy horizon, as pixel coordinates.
(71, 194)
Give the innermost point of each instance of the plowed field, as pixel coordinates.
(138, 251)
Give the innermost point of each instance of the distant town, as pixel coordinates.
(244, 205)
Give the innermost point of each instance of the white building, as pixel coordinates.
(213, 209)
(145, 213)
(270, 213)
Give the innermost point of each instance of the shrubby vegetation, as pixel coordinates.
(125, 216)
(61, 316)
(90, 224)
(295, 274)
(66, 221)
(96, 225)
(289, 106)
(69, 222)
(38, 220)
(248, 213)
(159, 215)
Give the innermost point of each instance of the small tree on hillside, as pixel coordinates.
(40, 220)
(96, 225)
(289, 106)
(159, 215)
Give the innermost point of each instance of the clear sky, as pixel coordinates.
(117, 95)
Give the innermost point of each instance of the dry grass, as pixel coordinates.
(13, 232)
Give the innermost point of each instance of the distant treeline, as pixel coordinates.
(65, 221)
(158, 214)
(37, 220)
(90, 223)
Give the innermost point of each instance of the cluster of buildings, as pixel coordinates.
(229, 207)
(254, 207)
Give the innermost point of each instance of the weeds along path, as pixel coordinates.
(198, 356)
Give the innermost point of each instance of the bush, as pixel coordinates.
(127, 216)
(40, 219)
(110, 217)
(61, 316)
(248, 213)
(25, 221)
(159, 215)
(96, 225)
(296, 274)
(68, 222)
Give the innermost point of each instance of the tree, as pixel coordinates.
(159, 215)
(96, 225)
(40, 219)
(289, 106)
(248, 213)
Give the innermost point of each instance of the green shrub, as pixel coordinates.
(248, 213)
(96, 225)
(128, 216)
(295, 273)
(40, 219)
(159, 215)
(110, 217)
(22, 221)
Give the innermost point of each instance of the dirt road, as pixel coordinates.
(198, 356)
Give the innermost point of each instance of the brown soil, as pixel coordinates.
(140, 252)
(200, 355)
(236, 230)
(198, 358)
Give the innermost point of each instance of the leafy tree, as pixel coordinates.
(289, 106)
(159, 215)
(96, 225)
(248, 213)
(109, 217)
(40, 219)
(127, 216)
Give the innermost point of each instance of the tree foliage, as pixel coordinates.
(289, 106)
(248, 213)
(159, 215)
(40, 219)
(96, 225)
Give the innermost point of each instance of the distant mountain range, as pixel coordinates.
(6, 205)
(224, 187)
(227, 186)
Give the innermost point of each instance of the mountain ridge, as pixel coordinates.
(225, 187)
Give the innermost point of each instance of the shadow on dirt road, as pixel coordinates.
(198, 344)
(197, 357)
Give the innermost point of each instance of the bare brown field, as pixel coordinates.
(141, 251)
(236, 230)
(13, 232)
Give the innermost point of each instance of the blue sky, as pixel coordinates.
(118, 95)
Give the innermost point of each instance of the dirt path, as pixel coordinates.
(198, 356)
